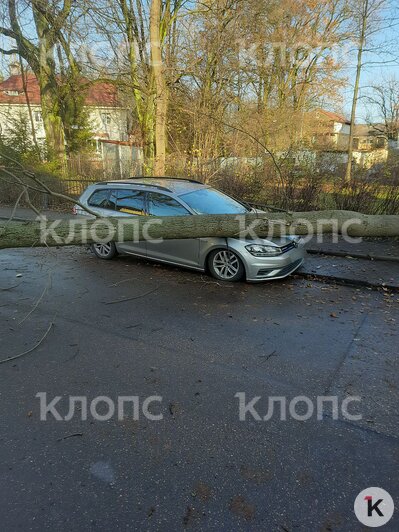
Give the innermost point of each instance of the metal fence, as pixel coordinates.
(115, 161)
(10, 192)
(121, 161)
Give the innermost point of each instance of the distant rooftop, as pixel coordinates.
(99, 94)
(335, 117)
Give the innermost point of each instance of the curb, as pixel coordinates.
(352, 255)
(346, 281)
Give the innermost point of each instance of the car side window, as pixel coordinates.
(129, 201)
(162, 205)
(100, 199)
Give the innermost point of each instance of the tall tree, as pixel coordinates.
(161, 89)
(362, 24)
(39, 53)
(369, 18)
(384, 101)
(140, 33)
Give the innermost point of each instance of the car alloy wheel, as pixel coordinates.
(105, 251)
(225, 265)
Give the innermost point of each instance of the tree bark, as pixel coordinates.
(362, 40)
(161, 89)
(141, 86)
(84, 231)
(48, 22)
(46, 76)
(30, 113)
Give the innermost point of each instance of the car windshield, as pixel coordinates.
(211, 201)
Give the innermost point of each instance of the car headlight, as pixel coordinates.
(263, 251)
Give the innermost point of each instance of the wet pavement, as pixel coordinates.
(375, 274)
(347, 262)
(132, 328)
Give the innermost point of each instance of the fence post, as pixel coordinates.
(120, 161)
(103, 159)
(45, 201)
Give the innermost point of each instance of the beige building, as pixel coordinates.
(329, 130)
(331, 137)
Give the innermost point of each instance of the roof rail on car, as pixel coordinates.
(168, 177)
(124, 182)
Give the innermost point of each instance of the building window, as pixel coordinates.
(356, 143)
(38, 117)
(12, 93)
(106, 118)
(380, 142)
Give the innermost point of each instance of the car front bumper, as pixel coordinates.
(268, 268)
(267, 274)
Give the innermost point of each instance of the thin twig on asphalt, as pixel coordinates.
(70, 436)
(32, 348)
(10, 287)
(268, 357)
(38, 301)
(123, 281)
(130, 298)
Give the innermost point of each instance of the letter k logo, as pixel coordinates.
(374, 507)
(371, 507)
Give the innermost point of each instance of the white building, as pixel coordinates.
(331, 129)
(108, 119)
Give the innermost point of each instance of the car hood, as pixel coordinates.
(279, 242)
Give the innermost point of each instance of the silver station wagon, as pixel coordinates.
(227, 259)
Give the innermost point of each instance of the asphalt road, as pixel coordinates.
(195, 343)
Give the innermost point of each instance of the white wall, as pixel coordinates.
(105, 122)
(11, 114)
(108, 122)
(344, 129)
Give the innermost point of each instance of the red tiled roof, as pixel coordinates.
(14, 84)
(333, 116)
(99, 94)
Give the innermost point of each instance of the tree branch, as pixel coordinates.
(9, 52)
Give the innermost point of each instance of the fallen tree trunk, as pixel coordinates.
(77, 231)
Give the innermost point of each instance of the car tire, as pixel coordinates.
(225, 265)
(105, 251)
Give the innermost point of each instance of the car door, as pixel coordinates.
(178, 251)
(128, 203)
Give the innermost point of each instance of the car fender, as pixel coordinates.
(207, 245)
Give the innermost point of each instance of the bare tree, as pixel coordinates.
(384, 98)
(40, 56)
(141, 35)
(369, 19)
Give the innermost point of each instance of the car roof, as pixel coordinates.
(175, 185)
